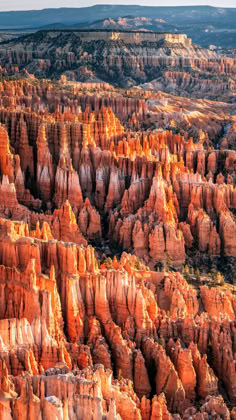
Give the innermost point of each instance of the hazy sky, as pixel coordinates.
(42, 4)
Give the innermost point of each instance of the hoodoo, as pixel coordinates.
(167, 61)
(117, 227)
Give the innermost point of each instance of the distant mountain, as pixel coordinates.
(141, 23)
(67, 16)
(52, 26)
(201, 33)
(206, 25)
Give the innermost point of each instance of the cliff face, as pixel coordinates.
(131, 37)
(64, 319)
(123, 59)
(96, 214)
(158, 193)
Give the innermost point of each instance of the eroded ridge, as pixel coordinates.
(117, 220)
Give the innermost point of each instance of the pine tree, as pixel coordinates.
(187, 276)
(197, 272)
(219, 278)
(186, 270)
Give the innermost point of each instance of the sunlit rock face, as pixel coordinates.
(117, 220)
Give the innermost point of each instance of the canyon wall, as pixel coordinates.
(122, 58)
(131, 37)
(100, 317)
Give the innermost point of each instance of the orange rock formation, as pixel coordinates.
(98, 216)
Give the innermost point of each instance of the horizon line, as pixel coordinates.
(117, 4)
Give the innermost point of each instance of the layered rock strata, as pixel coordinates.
(98, 215)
